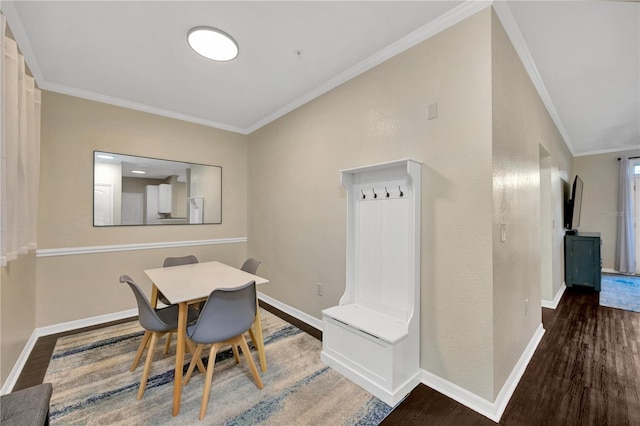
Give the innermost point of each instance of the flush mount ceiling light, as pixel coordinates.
(212, 43)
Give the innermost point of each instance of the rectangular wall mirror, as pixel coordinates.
(131, 190)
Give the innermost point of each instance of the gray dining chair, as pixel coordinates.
(168, 262)
(250, 265)
(226, 316)
(156, 322)
(175, 261)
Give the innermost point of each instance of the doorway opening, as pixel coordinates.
(635, 170)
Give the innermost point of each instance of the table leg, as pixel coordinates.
(259, 341)
(154, 296)
(177, 381)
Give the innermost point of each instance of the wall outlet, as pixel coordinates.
(319, 289)
(526, 306)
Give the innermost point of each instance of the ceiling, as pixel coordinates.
(583, 56)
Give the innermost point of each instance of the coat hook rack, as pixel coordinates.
(363, 194)
(374, 193)
(400, 189)
(387, 192)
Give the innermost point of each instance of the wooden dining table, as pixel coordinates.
(192, 283)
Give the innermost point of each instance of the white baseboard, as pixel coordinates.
(306, 318)
(85, 322)
(552, 304)
(613, 271)
(491, 410)
(11, 380)
(13, 376)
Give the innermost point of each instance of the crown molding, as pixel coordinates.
(512, 29)
(124, 103)
(455, 15)
(609, 150)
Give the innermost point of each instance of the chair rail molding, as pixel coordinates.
(72, 251)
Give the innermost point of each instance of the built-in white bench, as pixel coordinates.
(372, 336)
(368, 321)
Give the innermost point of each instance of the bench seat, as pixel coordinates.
(374, 323)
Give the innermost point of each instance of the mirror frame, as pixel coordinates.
(181, 180)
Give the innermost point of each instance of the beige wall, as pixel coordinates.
(473, 326)
(297, 207)
(599, 174)
(68, 287)
(521, 125)
(481, 168)
(83, 286)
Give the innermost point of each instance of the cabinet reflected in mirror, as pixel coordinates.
(131, 190)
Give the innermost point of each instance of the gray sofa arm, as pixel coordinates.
(26, 407)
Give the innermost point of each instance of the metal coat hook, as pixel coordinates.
(385, 190)
(363, 195)
(399, 189)
(374, 193)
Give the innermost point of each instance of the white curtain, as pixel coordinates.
(19, 153)
(625, 245)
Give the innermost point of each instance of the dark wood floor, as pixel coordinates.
(586, 371)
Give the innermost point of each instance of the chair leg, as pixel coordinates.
(143, 344)
(249, 358)
(147, 365)
(191, 348)
(236, 355)
(207, 383)
(194, 360)
(258, 340)
(168, 344)
(253, 339)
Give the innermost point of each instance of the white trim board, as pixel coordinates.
(552, 304)
(488, 409)
(13, 376)
(306, 318)
(71, 251)
(449, 19)
(491, 410)
(11, 380)
(511, 27)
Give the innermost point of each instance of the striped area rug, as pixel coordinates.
(92, 384)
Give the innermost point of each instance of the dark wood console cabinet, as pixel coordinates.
(582, 262)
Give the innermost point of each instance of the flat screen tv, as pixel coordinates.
(574, 205)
